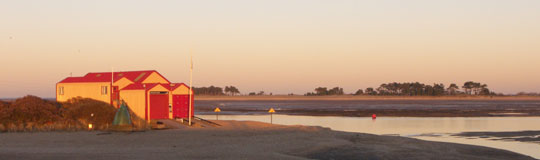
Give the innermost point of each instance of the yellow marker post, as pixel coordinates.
(217, 110)
(271, 111)
(90, 125)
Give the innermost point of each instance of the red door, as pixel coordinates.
(180, 106)
(159, 106)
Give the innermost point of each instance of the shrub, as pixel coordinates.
(3, 112)
(80, 110)
(32, 113)
(30, 109)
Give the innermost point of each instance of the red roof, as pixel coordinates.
(147, 86)
(135, 76)
(139, 86)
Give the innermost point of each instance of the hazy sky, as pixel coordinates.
(279, 46)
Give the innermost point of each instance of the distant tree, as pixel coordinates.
(359, 92)
(321, 91)
(383, 89)
(371, 91)
(233, 90)
(428, 90)
(260, 93)
(452, 89)
(438, 89)
(484, 90)
(336, 91)
(252, 93)
(418, 89)
(475, 88)
(228, 90)
(468, 87)
(208, 90)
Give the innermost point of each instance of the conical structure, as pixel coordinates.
(122, 116)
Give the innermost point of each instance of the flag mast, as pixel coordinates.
(112, 76)
(190, 87)
(112, 82)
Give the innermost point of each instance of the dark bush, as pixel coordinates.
(31, 109)
(85, 111)
(32, 113)
(3, 112)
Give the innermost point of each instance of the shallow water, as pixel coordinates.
(366, 104)
(429, 128)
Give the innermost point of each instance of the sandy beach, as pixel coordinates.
(235, 140)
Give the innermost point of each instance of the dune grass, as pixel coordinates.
(31, 113)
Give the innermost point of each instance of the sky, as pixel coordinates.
(277, 46)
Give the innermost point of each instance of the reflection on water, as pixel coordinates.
(429, 128)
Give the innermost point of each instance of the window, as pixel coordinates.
(103, 90)
(159, 92)
(61, 90)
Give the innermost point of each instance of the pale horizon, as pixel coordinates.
(273, 46)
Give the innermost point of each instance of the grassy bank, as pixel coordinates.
(31, 113)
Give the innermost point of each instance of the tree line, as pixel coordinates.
(412, 89)
(322, 91)
(215, 91)
(228, 90)
(260, 93)
(385, 89)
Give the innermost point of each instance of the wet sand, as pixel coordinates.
(235, 140)
(365, 106)
(522, 136)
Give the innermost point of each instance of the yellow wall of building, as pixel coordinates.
(159, 88)
(85, 90)
(155, 78)
(135, 101)
(123, 82)
(182, 90)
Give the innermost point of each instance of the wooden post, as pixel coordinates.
(217, 110)
(190, 88)
(271, 111)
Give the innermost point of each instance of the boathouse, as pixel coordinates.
(147, 93)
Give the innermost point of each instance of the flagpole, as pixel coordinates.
(190, 87)
(112, 82)
(112, 76)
